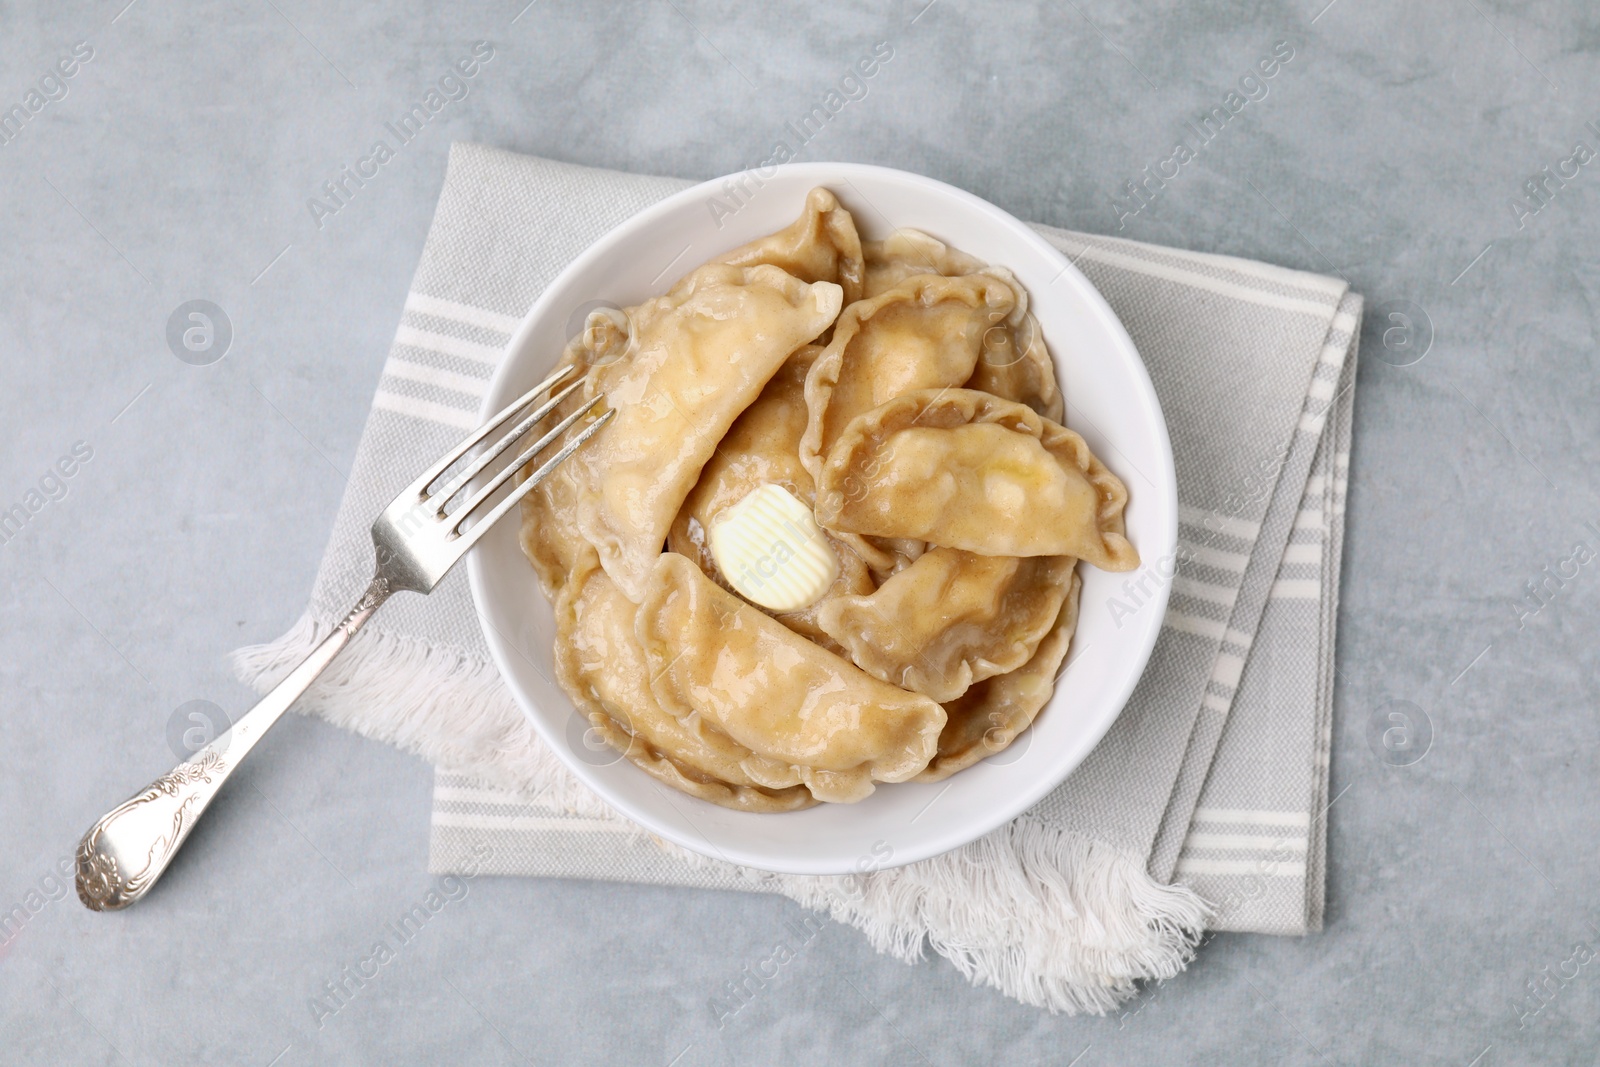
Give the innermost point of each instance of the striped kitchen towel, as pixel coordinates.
(1204, 805)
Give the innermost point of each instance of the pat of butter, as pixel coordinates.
(769, 548)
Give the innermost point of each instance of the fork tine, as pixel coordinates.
(483, 525)
(430, 476)
(515, 465)
(490, 454)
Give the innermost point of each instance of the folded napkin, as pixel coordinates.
(1202, 807)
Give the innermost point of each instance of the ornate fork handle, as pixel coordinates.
(123, 854)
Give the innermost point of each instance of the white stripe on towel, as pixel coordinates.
(1227, 669)
(446, 345)
(1310, 519)
(1270, 868)
(1200, 281)
(1217, 594)
(1284, 276)
(423, 304)
(1214, 557)
(1307, 553)
(443, 379)
(425, 409)
(1251, 842)
(1240, 638)
(1252, 817)
(1193, 624)
(1243, 529)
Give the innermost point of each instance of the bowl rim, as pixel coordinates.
(504, 652)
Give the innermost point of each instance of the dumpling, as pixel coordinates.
(696, 358)
(549, 532)
(950, 619)
(1015, 364)
(774, 692)
(988, 717)
(925, 333)
(601, 666)
(659, 763)
(967, 470)
(763, 447)
(906, 253)
(820, 246)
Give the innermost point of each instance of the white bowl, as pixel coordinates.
(1110, 401)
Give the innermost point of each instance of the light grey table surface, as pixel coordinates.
(178, 165)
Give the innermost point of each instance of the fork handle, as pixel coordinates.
(124, 853)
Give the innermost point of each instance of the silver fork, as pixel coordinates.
(417, 540)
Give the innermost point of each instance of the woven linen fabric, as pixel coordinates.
(1203, 807)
